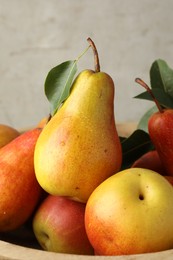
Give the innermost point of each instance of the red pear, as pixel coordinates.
(19, 189)
(169, 178)
(58, 225)
(150, 160)
(160, 128)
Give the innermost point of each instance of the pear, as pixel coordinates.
(79, 147)
(160, 125)
(150, 160)
(7, 134)
(19, 189)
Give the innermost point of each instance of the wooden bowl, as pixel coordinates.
(11, 251)
(21, 244)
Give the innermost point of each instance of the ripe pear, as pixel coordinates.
(131, 213)
(58, 225)
(7, 134)
(150, 160)
(160, 125)
(79, 147)
(19, 189)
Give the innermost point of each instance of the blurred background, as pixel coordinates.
(37, 35)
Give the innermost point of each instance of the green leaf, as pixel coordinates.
(143, 123)
(58, 84)
(135, 146)
(161, 76)
(163, 98)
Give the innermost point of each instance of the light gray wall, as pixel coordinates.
(36, 35)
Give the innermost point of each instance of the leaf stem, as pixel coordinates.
(143, 84)
(83, 53)
(96, 56)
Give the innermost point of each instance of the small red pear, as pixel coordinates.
(160, 128)
(150, 160)
(58, 225)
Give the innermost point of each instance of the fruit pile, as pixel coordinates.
(85, 189)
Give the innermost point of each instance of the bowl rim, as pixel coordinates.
(12, 251)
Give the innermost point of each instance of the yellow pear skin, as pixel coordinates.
(79, 147)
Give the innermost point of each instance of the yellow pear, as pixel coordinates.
(79, 147)
(131, 213)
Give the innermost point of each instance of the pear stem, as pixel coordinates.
(143, 84)
(96, 56)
